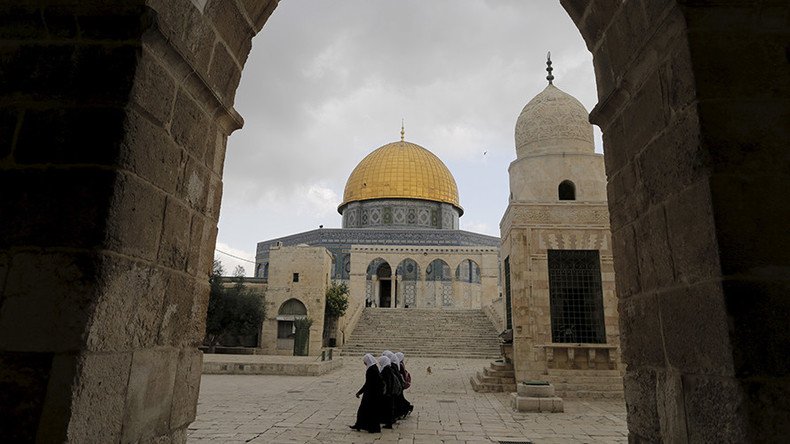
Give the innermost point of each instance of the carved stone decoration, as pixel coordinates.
(552, 121)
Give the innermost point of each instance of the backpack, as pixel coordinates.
(406, 378)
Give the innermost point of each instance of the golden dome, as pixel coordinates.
(401, 170)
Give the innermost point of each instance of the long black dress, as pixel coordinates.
(369, 408)
(402, 406)
(393, 389)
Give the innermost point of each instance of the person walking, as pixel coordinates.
(392, 388)
(372, 391)
(405, 407)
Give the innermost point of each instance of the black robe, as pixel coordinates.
(402, 406)
(369, 408)
(392, 389)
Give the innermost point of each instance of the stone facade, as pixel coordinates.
(415, 287)
(301, 273)
(526, 245)
(340, 240)
(558, 203)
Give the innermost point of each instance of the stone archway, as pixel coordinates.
(102, 235)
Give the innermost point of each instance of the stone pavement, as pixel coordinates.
(319, 409)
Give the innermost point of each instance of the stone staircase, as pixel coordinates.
(588, 384)
(497, 377)
(424, 332)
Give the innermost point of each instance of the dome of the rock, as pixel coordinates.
(401, 170)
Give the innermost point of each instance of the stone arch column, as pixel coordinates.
(115, 151)
(694, 105)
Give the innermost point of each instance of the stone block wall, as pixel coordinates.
(314, 266)
(694, 108)
(112, 139)
(529, 231)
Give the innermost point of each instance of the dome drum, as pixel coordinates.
(400, 213)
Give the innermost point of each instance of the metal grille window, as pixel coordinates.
(576, 296)
(508, 308)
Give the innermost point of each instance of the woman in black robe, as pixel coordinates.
(403, 407)
(392, 388)
(369, 411)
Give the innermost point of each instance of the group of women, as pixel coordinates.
(382, 395)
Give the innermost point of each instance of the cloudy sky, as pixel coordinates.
(327, 82)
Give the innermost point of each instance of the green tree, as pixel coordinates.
(336, 300)
(336, 306)
(232, 309)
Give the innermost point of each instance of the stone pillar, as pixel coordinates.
(695, 111)
(393, 300)
(112, 140)
(376, 289)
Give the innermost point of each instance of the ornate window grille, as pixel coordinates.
(576, 296)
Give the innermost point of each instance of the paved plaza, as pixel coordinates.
(319, 409)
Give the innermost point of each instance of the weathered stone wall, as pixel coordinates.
(314, 265)
(693, 104)
(529, 231)
(112, 138)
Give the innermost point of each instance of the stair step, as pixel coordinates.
(424, 333)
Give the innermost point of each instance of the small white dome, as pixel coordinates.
(553, 122)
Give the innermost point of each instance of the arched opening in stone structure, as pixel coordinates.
(379, 287)
(386, 286)
(567, 190)
(672, 81)
(468, 271)
(438, 284)
(289, 311)
(407, 278)
(467, 283)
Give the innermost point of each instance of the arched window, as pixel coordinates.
(292, 307)
(468, 271)
(374, 266)
(567, 190)
(438, 270)
(289, 311)
(408, 270)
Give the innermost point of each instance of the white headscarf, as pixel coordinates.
(399, 355)
(393, 358)
(369, 360)
(384, 361)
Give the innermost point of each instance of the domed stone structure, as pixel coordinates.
(401, 185)
(401, 170)
(400, 245)
(554, 144)
(558, 201)
(553, 120)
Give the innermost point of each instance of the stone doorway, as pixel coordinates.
(384, 274)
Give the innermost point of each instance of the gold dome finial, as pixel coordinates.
(402, 131)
